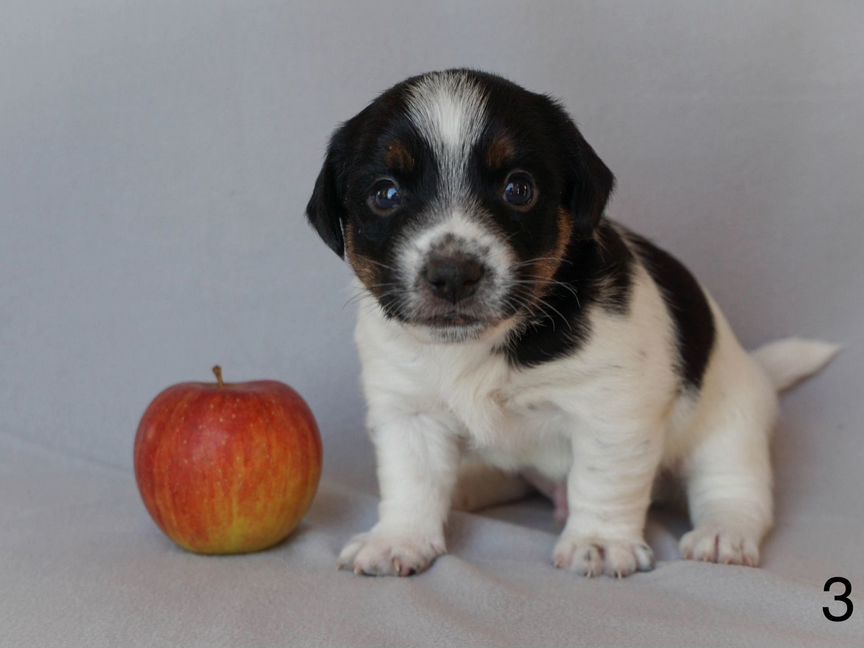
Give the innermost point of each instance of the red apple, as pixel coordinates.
(227, 468)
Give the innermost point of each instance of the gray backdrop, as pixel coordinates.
(155, 160)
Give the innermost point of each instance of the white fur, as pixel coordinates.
(470, 236)
(448, 109)
(791, 360)
(604, 420)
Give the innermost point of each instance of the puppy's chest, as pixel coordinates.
(496, 405)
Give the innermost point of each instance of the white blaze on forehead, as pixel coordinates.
(448, 109)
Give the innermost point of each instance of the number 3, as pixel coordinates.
(844, 598)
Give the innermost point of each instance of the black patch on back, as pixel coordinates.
(596, 273)
(694, 322)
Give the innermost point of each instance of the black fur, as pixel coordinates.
(598, 266)
(597, 273)
(354, 160)
(568, 172)
(589, 182)
(325, 210)
(694, 322)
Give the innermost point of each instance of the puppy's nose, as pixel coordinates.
(453, 277)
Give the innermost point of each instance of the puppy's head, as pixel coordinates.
(455, 196)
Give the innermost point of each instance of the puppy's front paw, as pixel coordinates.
(381, 554)
(591, 556)
(721, 544)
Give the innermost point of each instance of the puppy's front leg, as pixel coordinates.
(608, 493)
(418, 461)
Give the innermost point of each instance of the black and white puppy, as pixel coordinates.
(516, 332)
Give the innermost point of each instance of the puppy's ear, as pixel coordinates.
(589, 183)
(326, 208)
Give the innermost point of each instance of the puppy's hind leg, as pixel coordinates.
(480, 486)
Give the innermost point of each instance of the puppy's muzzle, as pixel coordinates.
(452, 277)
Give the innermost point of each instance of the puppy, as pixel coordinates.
(514, 331)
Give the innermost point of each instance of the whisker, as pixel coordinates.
(542, 305)
(379, 264)
(522, 264)
(560, 314)
(532, 309)
(363, 293)
(553, 282)
(532, 305)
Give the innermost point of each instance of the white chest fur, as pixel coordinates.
(472, 382)
(521, 417)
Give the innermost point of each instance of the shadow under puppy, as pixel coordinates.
(513, 331)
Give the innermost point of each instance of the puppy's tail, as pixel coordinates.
(790, 360)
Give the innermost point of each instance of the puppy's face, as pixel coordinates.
(455, 197)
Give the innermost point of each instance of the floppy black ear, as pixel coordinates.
(326, 209)
(590, 182)
(592, 185)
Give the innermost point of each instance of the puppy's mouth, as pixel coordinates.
(453, 320)
(411, 308)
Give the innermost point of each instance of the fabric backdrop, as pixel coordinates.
(155, 159)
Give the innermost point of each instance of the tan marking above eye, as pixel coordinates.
(398, 157)
(501, 151)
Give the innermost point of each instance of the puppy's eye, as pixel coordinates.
(519, 190)
(385, 196)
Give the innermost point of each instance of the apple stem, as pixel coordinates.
(217, 371)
